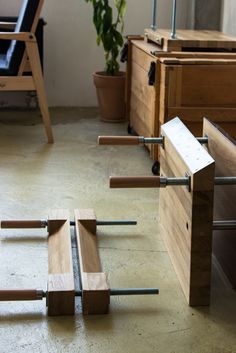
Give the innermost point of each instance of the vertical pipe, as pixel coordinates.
(173, 33)
(154, 15)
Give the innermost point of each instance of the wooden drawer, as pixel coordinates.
(192, 92)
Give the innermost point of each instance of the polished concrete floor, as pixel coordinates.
(73, 173)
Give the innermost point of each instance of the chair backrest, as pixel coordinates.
(27, 22)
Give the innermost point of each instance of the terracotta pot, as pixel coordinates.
(111, 96)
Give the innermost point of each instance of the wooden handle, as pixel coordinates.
(18, 294)
(119, 140)
(12, 224)
(135, 182)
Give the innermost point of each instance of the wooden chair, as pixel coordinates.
(23, 56)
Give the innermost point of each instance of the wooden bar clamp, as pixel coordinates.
(95, 290)
(61, 288)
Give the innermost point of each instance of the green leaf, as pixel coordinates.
(107, 19)
(109, 31)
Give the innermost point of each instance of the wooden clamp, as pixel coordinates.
(95, 290)
(61, 288)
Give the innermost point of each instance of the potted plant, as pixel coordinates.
(110, 83)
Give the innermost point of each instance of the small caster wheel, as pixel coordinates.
(129, 129)
(156, 168)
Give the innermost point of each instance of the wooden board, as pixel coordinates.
(190, 39)
(143, 97)
(223, 149)
(61, 289)
(186, 216)
(154, 50)
(95, 290)
(129, 73)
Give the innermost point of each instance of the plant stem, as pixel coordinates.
(118, 14)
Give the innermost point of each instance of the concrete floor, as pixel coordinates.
(73, 173)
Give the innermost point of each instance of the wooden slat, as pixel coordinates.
(223, 149)
(35, 64)
(154, 50)
(190, 39)
(19, 83)
(20, 36)
(129, 73)
(143, 98)
(61, 289)
(7, 25)
(197, 61)
(186, 216)
(95, 290)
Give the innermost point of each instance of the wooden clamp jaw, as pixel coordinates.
(95, 290)
(186, 217)
(61, 288)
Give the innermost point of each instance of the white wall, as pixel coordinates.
(71, 54)
(228, 16)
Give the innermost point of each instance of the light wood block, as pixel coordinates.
(61, 288)
(223, 149)
(186, 216)
(95, 290)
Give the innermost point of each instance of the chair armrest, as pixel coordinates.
(7, 25)
(19, 36)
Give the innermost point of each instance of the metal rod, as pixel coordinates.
(154, 15)
(36, 224)
(202, 140)
(127, 291)
(173, 181)
(134, 291)
(224, 225)
(117, 223)
(225, 180)
(173, 33)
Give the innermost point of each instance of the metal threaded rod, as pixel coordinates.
(34, 224)
(224, 225)
(127, 291)
(134, 291)
(116, 223)
(154, 15)
(173, 33)
(225, 180)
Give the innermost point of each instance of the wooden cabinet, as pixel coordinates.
(188, 84)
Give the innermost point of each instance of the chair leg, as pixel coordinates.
(33, 54)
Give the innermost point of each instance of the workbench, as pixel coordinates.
(191, 77)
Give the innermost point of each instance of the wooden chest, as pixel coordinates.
(188, 84)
